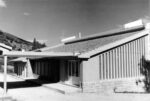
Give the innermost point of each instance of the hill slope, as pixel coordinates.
(15, 42)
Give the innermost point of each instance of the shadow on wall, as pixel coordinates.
(145, 71)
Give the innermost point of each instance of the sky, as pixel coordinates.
(51, 20)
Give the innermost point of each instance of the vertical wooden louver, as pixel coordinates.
(123, 61)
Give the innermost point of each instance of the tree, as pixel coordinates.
(37, 45)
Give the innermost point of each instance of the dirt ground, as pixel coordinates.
(44, 94)
(39, 93)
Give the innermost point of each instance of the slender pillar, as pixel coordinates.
(116, 60)
(5, 75)
(25, 72)
(105, 70)
(119, 64)
(114, 66)
(111, 64)
(102, 67)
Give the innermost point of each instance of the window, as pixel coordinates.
(72, 67)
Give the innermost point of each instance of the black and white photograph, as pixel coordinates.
(74, 50)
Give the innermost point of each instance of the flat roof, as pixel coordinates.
(38, 54)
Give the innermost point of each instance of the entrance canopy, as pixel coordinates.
(31, 54)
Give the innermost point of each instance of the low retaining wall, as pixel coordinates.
(115, 85)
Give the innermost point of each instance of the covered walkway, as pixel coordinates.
(30, 55)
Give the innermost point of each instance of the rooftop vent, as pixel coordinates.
(134, 24)
(68, 39)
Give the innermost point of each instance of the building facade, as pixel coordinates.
(110, 61)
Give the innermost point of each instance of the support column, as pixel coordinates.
(5, 75)
(25, 72)
(29, 69)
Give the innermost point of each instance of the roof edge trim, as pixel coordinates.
(37, 54)
(108, 33)
(5, 46)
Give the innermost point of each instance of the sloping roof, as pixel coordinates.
(48, 48)
(96, 41)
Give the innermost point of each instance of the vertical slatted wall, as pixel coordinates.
(20, 69)
(123, 61)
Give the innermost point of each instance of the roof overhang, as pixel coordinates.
(5, 46)
(21, 59)
(38, 54)
(114, 44)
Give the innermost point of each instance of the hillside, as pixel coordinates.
(15, 42)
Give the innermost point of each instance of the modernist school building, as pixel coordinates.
(102, 62)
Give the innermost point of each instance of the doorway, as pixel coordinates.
(72, 68)
(47, 69)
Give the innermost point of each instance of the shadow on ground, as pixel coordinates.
(26, 83)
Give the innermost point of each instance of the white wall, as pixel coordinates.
(91, 70)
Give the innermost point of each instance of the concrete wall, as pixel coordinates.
(90, 70)
(117, 85)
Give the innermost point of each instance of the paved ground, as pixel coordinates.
(31, 92)
(42, 94)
